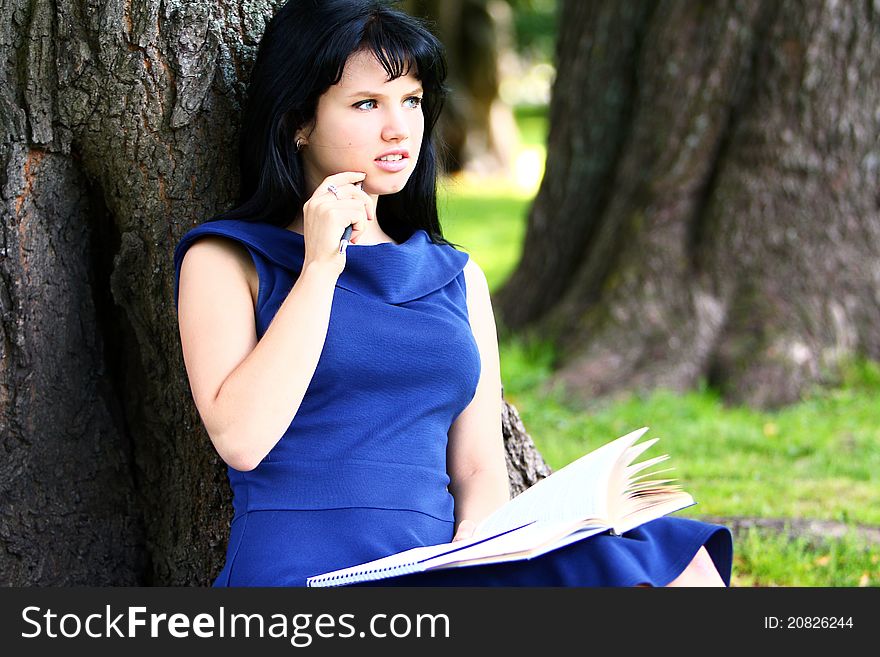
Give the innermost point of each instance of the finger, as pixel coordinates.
(344, 178)
(347, 207)
(349, 212)
(465, 530)
(358, 227)
(350, 192)
(355, 192)
(343, 192)
(350, 189)
(370, 210)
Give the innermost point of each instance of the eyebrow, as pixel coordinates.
(372, 94)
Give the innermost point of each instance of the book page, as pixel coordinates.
(660, 504)
(525, 542)
(399, 563)
(601, 490)
(520, 543)
(577, 491)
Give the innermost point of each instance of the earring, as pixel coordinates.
(299, 144)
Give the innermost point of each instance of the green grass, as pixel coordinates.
(763, 559)
(488, 217)
(817, 459)
(488, 222)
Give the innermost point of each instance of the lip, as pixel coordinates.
(394, 151)
(393, 167)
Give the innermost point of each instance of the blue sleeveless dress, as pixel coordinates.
(360, 472)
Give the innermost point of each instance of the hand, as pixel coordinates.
(325, 218)
(466, 529)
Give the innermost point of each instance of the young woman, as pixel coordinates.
(355, 391)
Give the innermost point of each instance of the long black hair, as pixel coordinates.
(302, 53)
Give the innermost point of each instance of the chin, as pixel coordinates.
(384, 187)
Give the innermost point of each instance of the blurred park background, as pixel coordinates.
(789, 458)
(676, 204)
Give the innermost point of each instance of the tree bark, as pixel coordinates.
(525, 465)
(709, 210)
(120, 126)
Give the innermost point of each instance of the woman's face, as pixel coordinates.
(366, 123)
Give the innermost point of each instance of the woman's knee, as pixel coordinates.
(701, 571)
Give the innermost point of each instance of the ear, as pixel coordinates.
(301, 138)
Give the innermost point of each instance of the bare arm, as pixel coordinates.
(248, 391)
(475, 456)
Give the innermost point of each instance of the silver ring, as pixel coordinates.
(332, 189)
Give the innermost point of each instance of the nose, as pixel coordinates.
(396, 127)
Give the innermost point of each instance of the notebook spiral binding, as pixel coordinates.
(342, 578)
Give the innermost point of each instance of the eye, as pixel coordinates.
(415, 101)
(361, 104)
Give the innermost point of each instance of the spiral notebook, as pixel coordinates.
(601, 491)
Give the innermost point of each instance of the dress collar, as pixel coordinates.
(393, 273)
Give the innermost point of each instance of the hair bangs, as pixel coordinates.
(400, 49)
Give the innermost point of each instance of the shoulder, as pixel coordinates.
(474, 277)
(477, 289)
(217, 258)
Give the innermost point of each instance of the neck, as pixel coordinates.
(373, 234)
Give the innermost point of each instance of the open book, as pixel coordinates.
(604, 490)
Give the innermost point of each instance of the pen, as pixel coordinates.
(343, 243)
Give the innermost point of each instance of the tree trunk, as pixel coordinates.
(525, 465)
(120, 134)
(710, 204)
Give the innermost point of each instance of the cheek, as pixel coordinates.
(352, 134)
(341, 130)
(416, 135)
(344, 137)
(417, 128)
